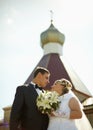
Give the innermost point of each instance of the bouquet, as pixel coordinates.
(48, 102)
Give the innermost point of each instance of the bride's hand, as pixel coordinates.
(52, 113)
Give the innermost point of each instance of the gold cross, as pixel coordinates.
(51, 15)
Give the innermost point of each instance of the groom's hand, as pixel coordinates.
(61, 114)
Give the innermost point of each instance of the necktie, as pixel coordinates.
(37, 87)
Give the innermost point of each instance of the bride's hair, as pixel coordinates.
(67, 85)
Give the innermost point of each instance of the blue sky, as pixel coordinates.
(22, 22)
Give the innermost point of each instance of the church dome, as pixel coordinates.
(52, 35)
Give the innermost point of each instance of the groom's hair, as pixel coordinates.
(41, 70)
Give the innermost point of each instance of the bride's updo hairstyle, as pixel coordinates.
(67, 85)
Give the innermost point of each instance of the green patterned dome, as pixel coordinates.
(52, 35)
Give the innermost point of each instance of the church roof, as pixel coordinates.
(59, 69)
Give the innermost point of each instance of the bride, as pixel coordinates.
(69, 116)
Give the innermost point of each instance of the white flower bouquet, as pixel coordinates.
(48, 102)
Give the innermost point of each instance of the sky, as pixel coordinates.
(22, 22)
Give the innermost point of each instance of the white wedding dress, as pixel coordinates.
(59, 123)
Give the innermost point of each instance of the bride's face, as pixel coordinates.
(57, 87)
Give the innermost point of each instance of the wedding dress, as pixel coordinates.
(60, 123)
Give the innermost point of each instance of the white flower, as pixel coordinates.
(48, 101)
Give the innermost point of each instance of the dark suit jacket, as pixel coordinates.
(24, 111)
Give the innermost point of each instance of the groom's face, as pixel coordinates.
(43, 79)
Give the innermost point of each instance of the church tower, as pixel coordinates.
(52, 41)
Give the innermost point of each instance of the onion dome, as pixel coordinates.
(52, 35)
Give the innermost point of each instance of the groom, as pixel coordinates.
(24, 113)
